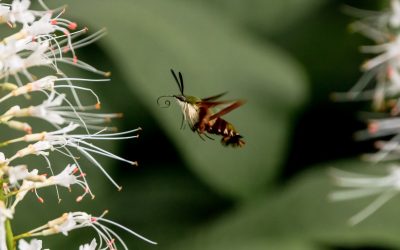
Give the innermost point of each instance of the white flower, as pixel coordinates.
(66, 178)
(45, 83)
(388, 53)
(375, 24)
(67, 225)
(38, 148)
(388, 128)
(37, 44)
(5, 213)
(23, 190)
(394, 19)
(61, 139)
(75, 220)
(44, 111)
(38, 56)
(53, 111)
(362, 185)
(381, 78)
(18, 173)
(32, 181)
(4, 11)
(91, 246)
(34, 244)
(43, 26)
(20, 12)
(2, 158)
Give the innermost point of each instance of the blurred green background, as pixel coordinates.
(285, 58)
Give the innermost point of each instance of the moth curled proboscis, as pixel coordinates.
(167, 102)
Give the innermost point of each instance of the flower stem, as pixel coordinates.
(9, 236)
(21, 236)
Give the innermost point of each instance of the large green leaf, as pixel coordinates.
(267, 16)
(147, 38)
(302, 211)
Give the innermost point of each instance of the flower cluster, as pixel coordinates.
(381, 84)
(45, 39)
(381, 79)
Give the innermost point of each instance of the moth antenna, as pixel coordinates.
(167, 102)
(181, 80)
(177, 81)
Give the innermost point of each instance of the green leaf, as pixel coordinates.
(267, 16)
(147, 38)
(255, 244)
(302, 211)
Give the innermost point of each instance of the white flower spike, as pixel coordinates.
(43, 39)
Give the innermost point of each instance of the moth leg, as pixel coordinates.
(209, 137)
(200, 136)
(183, 122)
(204, 118)
(206, 135)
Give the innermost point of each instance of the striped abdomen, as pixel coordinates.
(229, 135)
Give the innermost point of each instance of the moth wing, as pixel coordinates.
(228, 109)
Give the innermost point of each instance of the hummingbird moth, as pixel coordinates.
(204, 115)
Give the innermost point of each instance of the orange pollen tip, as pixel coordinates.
(110, 244)
(394, 111)
(82, 175)
(379, 144)
(373, 127)
(97, 106)
(79, 199)
(93, 219)
(40, 199)
(135, 163)
(120, 188)
(53, 22)
(66, 32)
(72, 26)
(75, 59)
(390, 72)
(107, 74)
(65, 49)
